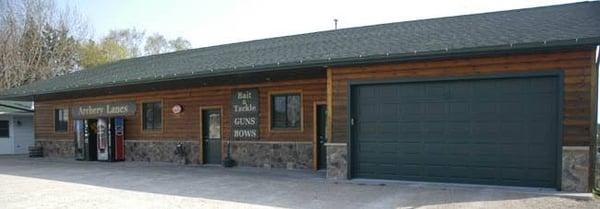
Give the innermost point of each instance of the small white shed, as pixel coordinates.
(16, 127)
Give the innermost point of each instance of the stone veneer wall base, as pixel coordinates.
(289, 155)
(57, 148)
(575, 169)
(337, 162)
(162, 151)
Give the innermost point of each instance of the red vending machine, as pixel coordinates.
(118, 129)
(111, 139)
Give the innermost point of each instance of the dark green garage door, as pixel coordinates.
(501, 131)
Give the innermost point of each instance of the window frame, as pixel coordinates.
(68, 121)
(271, 95)
(7, 128)
(143, 119)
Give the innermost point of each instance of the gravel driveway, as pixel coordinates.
(61, 183)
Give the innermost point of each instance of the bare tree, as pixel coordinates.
(37, 41)
(179, 44)
(156, 44)
(131, 39)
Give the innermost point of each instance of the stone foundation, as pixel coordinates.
(56, 148)
(161, 151)
(337, 162)
(575, 169)
(290, 155)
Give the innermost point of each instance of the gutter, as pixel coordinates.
(336, 62)
(15, 107)
(17, 113)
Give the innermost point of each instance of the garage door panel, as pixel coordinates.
(542, 86)
(488, 131)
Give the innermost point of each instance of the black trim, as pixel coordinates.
(61, 124)
(286, 97)
(558, 73)
(156, 107)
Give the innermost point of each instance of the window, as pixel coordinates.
(152, 116)
(285, 111)
(61, 120)
(4, 129)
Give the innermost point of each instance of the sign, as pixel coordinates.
(103, 110)
(176, 109)
(245, 114)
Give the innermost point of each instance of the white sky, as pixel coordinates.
(207, 23)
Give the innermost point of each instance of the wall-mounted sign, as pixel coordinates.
(103, 110)
(177, 109)
(245, 114)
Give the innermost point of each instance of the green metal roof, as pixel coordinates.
(567, 25)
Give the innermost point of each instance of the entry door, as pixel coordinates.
(321, 136)
(501, 131)
(211, 136)
(22, 134)
(90, 149)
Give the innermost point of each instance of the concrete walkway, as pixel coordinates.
(61, 183)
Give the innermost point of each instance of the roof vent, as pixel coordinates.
(335, 23)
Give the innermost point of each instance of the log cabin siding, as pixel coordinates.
(186, 125)
(577, 65)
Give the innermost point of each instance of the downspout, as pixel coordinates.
(596, 149)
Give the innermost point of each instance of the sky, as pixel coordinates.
(208, 23)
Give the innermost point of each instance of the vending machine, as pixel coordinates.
(119, 138)
(103, 138)
(79, 127)
(111, 140)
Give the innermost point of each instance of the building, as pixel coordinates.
(502, 98)
(16, 127)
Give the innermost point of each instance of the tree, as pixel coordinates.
(116, 45)
(123, 44)
(179, 44)
(36, 41)
(131, 39)
(94, 54)
(156, 44)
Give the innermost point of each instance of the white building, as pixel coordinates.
(16, 127)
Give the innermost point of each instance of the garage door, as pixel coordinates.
(500, 131)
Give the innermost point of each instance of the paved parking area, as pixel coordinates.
(63, 183)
